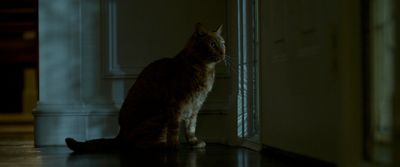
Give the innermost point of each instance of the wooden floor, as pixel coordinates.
(17, 150)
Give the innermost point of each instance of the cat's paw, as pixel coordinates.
(198, 144)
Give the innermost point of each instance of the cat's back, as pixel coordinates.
(154, 82)
(153, 78)
(160, 69)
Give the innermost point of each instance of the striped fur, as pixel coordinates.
(167, 91)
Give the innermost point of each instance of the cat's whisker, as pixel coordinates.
(228, 61)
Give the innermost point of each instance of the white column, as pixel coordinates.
(73, 101)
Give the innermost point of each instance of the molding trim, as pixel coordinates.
(110, 67)
(53, 123)
(87, 122)
(74, 109)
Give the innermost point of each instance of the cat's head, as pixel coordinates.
(209, 44)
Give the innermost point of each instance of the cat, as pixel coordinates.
(166, 92)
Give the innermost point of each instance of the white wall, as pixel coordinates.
(91, 51)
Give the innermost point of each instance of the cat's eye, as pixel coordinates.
(213, 44)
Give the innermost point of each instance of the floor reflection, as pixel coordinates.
(16, 150)
(182, 157)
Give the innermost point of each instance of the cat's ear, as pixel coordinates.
(199, 30)
(219, 29)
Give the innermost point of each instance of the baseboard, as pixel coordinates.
(294, 158)
(52, 129)
(53, 123)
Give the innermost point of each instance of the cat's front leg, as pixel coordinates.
(190, 130)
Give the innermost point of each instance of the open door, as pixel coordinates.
(299, 77)
(247, 75)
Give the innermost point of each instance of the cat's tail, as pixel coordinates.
(96, 145)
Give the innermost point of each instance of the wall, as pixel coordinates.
(299, 73)
(91, 51)
(349, 51)
(311, 79)
(396, 106)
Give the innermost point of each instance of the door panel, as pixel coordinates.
(299, 98)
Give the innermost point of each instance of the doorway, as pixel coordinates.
(247, 76)
(380, 71)
(18, 64)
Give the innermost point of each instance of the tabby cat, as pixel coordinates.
(167, 91)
